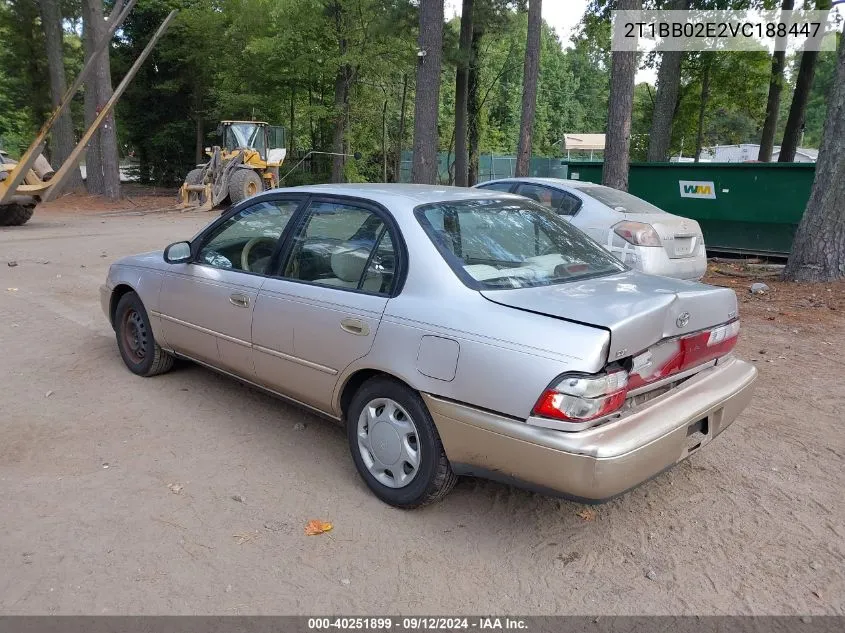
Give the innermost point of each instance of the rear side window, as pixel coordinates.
(621, 201)
(496, 244)
(342, 246)
(497, 186)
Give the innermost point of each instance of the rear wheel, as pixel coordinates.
(244, 184)
(395, 445)
(15, 214)
(138, 347)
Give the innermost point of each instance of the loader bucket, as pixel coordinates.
(196, 197)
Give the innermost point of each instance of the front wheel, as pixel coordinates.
(138, 348)
(15, 214)
(244, 184)
(395, 445)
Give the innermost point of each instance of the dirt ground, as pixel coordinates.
(188, 493)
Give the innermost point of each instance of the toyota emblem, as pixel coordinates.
(682, 320)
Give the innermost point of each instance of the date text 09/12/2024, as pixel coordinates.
(419, 623)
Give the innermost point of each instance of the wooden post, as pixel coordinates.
(8, 188)
(64, 170)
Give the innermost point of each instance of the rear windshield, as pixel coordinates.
(621, 201)
(496, 244)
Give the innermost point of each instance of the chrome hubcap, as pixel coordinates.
(388, 442)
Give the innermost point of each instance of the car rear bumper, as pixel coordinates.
(601, 462)
(655, 261)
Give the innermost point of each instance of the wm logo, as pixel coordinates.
(698, 189)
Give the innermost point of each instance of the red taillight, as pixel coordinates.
(581, 398)
(681, 354)
(578, 398)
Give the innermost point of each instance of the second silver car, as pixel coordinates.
(640, 234)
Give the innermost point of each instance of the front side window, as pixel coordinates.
(343, 246)
(495, 244)
(553, 199)
(247, 240)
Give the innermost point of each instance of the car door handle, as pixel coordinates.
(354, 326)
(240, 300)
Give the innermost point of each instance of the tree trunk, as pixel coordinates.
(795, 121)
(529, 87)
(473, 107)
(798, 107)
(461, 95)
(666, 100)
(384, 142)
(818, 250)
(767, 137)
(102, 160)
(341, 97)
(291, 131)
(702, 109)
(93, 160)
(199, 142)
(623, 68)
(400, 137)
(311, 127)
(62, 137)
(199, 128)
(341, 102)
(427, 101)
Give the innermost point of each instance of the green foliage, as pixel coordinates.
(24, 96)
(817, 103)
(280, 62)
(735, 109)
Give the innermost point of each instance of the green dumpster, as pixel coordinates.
(741, 207)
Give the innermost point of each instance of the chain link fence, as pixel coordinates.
(490, 167)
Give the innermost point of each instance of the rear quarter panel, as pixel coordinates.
(505, 357)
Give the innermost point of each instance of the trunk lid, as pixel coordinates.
(639, 310)
(681, 237)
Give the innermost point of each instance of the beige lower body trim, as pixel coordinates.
(598, 463)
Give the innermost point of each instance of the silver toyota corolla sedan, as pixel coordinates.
(452, 331)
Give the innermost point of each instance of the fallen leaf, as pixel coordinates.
(587, 514)
(315, 527)
(48, 394)
(246, 537)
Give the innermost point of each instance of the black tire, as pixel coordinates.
(434, 478)
(132, 325)
(15, 214)
(244, 184)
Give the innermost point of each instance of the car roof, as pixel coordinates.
(407, 194)
(567, 182)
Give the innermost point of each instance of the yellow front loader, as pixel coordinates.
(245, 164)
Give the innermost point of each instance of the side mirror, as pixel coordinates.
(178, 253)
